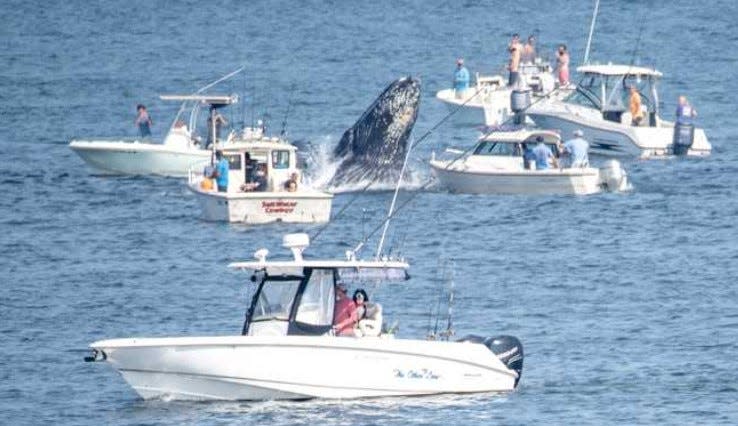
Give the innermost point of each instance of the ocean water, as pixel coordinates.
(625, 303)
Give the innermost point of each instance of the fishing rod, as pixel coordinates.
(287, 113)
(591, 31)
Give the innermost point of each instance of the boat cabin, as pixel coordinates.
(606, 88)
(264, 165)
(297, 297)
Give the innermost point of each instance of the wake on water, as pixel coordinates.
(321, 166)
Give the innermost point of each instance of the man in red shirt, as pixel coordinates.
(344, 313)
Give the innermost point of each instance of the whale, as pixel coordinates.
(374, 148)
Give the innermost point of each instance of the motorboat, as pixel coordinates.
(488, 101)
(288, 350)
(598, 107)
(181, 149)
(496, 166)
(264, 185)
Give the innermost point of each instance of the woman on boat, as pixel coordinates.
(346, 325)
(562, 65)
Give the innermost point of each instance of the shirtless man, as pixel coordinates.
(516, 51)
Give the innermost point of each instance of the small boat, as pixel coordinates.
(287, 349)
(495, 166)
(277, 196)
(598, 107)
(488, 101)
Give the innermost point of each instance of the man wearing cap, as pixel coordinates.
(343, 311)
(461, 78)
(577, 150)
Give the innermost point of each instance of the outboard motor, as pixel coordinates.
(519, 102)
(507, 348)
(683, 138)
(613, 176)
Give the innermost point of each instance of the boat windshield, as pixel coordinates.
(587, 93)
(274, 301)
(496, 148)
(317, 300)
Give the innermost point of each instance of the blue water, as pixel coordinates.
(626, 304)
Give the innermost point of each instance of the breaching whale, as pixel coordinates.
(373, 149)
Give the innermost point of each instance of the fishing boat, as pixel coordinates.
(488, 101)
(288, 350)
(181, 149)
(598, 108)
(496, 166)
(264, 185)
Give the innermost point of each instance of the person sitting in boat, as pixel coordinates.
(248, 168)
(291, 184)
(685, 113)
(220, 174)
(636, 111)
(344, 312)
(544, 156)
(529, 51)
(461, 78)
(259, 181)
(577, 150)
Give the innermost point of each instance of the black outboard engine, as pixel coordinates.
(519, 102)
(683, 138)
(507, 348)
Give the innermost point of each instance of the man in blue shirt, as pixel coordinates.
(461, 78)
(221, 172)
(685, 113)
(543, 154)
(577, 150)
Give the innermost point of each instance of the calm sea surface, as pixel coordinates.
(626, 304)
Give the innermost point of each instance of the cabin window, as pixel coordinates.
(316, 303)
(275, 300)
(280, 159)
(234, 161)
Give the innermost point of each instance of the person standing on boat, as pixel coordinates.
(461, 78)
(516, 51)
(143, 121)
(529, 51)
(221, 172)
(685, 113)
(562, 65)
(636, 112)
(577, 150)
(220, 121)
(543, 155)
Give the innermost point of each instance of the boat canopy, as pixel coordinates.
(214, 100)
(618, 70)
(347, 269)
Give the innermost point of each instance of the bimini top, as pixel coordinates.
(522, 136)
(216, 100)
(614, 69)
(380, 268)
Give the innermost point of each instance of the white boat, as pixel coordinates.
(598, 107)
(287, 350)
(488, 101)
(495, 166)
(181, 149)
(272, 201)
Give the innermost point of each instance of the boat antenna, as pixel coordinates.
(452, 286)
(394, 201)
(287, 113)
(591, 31)
(436, 313)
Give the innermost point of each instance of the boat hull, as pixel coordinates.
(139, 158)
(263, 207)
(577, 181)
(619, 140)
(301, 367)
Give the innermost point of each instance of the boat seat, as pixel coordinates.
(371, 324)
